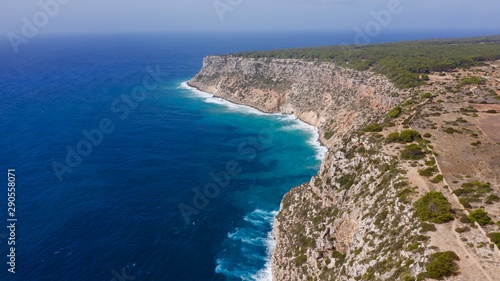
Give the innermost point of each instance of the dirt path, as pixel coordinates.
(416, 179)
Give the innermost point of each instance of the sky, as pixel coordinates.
(121, 16)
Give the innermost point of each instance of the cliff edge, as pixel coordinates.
(354, 220)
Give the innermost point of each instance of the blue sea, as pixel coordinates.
(123, 172)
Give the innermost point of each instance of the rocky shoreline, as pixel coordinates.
(335, 100)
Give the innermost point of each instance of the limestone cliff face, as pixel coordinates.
(352, 220)
(324, 95)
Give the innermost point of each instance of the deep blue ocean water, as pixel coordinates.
(129, 207)
(114, 213)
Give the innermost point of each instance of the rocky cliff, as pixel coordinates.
(354, 220)
(329, 97)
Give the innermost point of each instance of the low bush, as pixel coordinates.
(426, 227)
(433, 207)
(427, 172)
(300, 259)
(395, 112)
(409, 135)
(495, 238)
(465, 202)
(480, 216)
(393, 137)
(437, 178)
(442, 264)
(374, 127)
(493, 198)
(473, 80)
(412, 152)
(328, 135)
(462, 229)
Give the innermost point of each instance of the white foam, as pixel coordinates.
(295, 123)
(265, 274)
(207, 97)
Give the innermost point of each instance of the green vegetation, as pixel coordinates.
(395, 112)
(426, 227)
(405, 136)
(427, 135)
(300, 259)
(465, 202)
(427, 96)
(473, 192)
(412, 152)
(473, 80)
(442, 264)
(437, 178)
(328, 135)
(450, 130)
(374, 127)
(433, 207)
(468, 109)
(462, 229)
(393, 137)
(491, 111)
(495, 238)
(430, 162)
(480, 216)
(493, 198)
(428, 172)
(404, 63)
(409, 135)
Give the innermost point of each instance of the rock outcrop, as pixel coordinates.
(353, 219)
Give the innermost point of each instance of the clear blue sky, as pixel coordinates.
(92, 16)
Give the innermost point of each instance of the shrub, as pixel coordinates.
(495, 238)
(473, 80)
(426, 227)
(427, 172)
(491, 111)
(328, 135)
(493, 198)
(480, 216)
(374, 127)
(465, 219)
(462, 229)
(442, 264)
(395, 112)
(409, 135)
(427, 95)
(412, 152)
(430, 162)
(465, 202)
(427, 135)
(433, 207)
(393, 137)
(449, 130)
(300, 259)
(437, 178)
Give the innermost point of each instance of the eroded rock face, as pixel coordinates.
(349, 220)
(324, 95)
